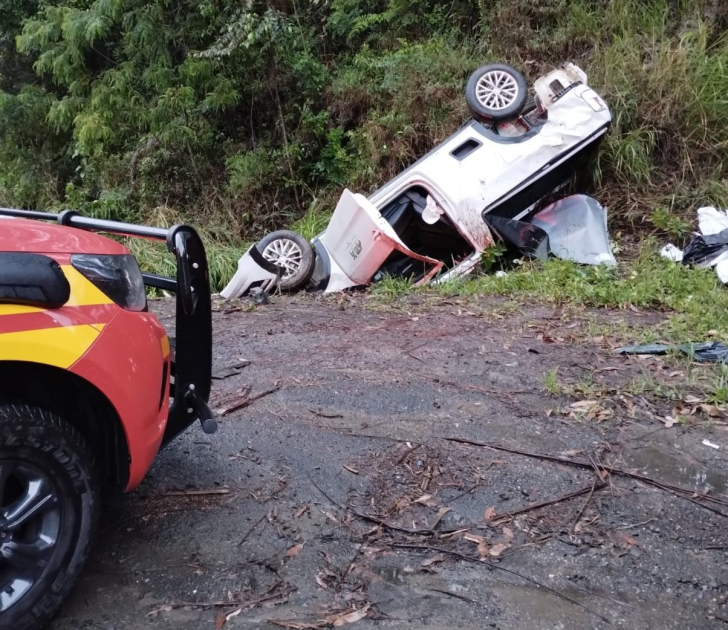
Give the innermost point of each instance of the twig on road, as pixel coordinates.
(248, 400)
(326, 415)
(649, 520)
(536, 506)
(583, 507)
(251, 530)
(272, 593)
(196, 493)
(455, 595)
(407, 452)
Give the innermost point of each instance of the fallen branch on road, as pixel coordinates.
(196, 493)
(577, 493)
(685, 493)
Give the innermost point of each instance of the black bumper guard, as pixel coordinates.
(191, 374)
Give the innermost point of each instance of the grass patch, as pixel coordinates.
(222, 259)
(695, 298)
(314, 221)
(550, 382)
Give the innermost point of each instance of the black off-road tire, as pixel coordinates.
(503, 101)
(43, 458)
(288, 245)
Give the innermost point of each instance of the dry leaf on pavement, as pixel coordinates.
(294, 551)
(482, 549)
(497, 550)
(352, 617)
(430, 561)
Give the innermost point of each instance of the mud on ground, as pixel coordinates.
(337, 498)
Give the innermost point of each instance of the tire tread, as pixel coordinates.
(61, 439)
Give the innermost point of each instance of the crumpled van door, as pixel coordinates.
(359, 239)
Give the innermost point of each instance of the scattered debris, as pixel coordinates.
(334, 620)
(259, 296)
(455, 595)
(577, 230)
(709, 247)
(707, 443)
(277, 592)
(589, 410)
(710, 352)
(672, 253)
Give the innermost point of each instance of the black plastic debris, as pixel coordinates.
(714, 352)
(259, 296)
(703, 249)
(525, 238)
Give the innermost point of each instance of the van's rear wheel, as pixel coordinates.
(496, 93)
(48, 505)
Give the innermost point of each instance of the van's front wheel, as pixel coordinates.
(293, 254)
(48, 505)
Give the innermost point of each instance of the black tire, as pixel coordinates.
(503, 103)
(293, 254)
(529, 105)
(43, 460)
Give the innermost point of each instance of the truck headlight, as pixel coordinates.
(119, 277)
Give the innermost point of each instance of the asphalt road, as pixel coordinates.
(337, 495)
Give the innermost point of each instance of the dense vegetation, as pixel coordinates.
(249, 115)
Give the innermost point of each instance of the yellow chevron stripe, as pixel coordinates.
(60, 347)
(13, 309)
(83, 291)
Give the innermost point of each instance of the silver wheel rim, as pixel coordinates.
(496, 90)
(284, 253)
(30, 528)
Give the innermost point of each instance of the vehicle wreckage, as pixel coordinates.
(433, 222)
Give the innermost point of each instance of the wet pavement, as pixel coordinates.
(337, 495)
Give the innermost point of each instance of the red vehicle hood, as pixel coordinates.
(23, 235)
